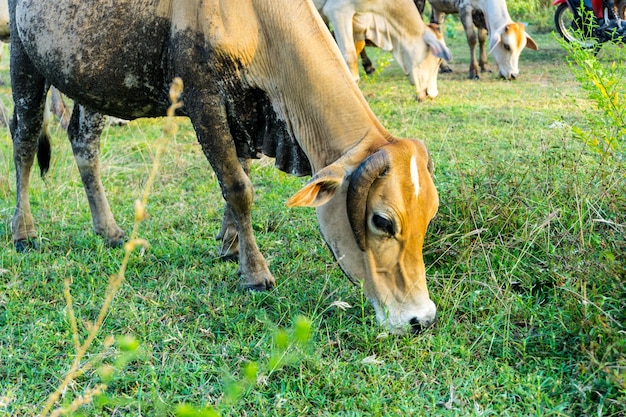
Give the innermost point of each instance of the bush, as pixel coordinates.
(528, 9)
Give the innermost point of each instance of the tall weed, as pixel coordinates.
(604, 81)
(128, 346)
(602, 76)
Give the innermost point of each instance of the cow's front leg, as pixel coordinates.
(228, 231)
(228, 235)
(214, 135)
(84, 132)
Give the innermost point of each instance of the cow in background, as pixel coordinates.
(366, 62)
(4, 37)
(492, 19)
(4, 21)
(394, 26)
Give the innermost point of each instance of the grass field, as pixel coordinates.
(526, 263)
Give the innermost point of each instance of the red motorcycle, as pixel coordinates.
(589, 22)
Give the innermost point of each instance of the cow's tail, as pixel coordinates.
(44, 149)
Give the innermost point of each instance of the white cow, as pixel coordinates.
(4, 36)
(4, 21)
(394, 26)
(491, 17)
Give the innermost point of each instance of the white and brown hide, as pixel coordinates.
(394, 26)
(491, 18)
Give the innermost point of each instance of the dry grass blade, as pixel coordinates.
(115, 282)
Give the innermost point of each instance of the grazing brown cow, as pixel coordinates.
(250, 85)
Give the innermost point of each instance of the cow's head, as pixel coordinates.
(424, 75)
(374, 217)
(418, 49)
(507, 43)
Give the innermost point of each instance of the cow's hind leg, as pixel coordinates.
(84, 132)
(214, 135)
(468, 24)
(29, 95)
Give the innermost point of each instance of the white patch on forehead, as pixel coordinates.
(415, 176)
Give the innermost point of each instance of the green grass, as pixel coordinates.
(525, 262)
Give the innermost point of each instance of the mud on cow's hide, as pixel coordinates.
(251, 117)
(251, 86)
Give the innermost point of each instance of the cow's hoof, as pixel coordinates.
(117, 242)
(115, 239)
(25, 245)
(266, 284)
(445, 70)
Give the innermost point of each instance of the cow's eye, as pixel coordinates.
(383, 224)
(506, 46)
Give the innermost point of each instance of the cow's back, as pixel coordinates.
(449, 6)
(111, 56)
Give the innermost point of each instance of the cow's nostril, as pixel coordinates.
(418, 327)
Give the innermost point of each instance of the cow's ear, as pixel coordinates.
(437, 46)
(530, 43)
(320, 189)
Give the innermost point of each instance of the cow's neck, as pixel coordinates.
(302, 72)
(496, 14)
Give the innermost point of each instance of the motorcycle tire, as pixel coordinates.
(566, 25)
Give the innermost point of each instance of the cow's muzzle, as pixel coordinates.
(509, 77)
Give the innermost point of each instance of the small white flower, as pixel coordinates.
(371, 360)
(342, 305)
